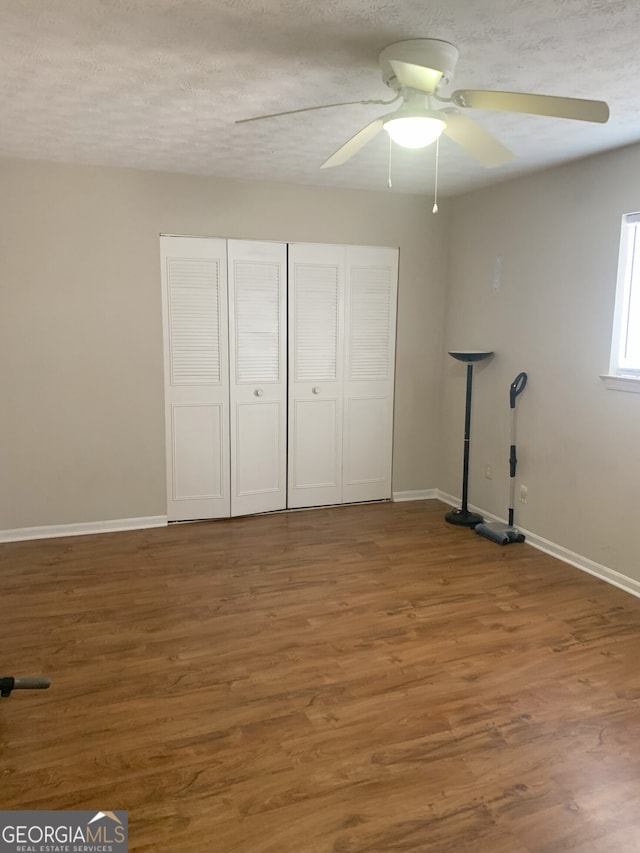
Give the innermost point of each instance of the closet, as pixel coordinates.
(279, 365)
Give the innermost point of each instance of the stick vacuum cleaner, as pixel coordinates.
(504, 534)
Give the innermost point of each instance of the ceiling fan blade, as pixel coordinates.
(416, 76)
(475, 140)
(346, 151)
(321, 107)
(541, 105)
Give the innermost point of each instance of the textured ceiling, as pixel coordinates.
(158, 84)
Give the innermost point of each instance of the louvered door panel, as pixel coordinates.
(370, 319)
(316, 331)
(196, 377)
(257, 351)
(316, 322)
(370, 330)
(194, 320)
(257, 302)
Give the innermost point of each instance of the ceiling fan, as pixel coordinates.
(416, 70)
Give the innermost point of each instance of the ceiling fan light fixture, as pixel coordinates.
(414, 131)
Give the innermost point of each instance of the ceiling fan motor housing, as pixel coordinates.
(430, 53)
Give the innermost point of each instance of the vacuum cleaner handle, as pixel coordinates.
(7, 684)
(517, 387)
(31, 683)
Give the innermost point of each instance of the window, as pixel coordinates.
(624, 366)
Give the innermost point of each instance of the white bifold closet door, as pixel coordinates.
(342, 317)
(257, 275)
(369, 359)
(254, 424)
(316, 325)
(194, 305)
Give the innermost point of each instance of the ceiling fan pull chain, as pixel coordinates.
(389, 184)
(434, 209)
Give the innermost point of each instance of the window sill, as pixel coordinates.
(621, 383)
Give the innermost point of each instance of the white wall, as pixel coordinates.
(557, 233)
(81, 420)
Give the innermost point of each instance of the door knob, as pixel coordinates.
(316, 389)
(258, 392)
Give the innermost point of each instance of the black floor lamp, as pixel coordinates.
(462, 516)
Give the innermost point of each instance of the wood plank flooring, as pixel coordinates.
(356, 679)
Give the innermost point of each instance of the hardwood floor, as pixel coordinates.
(352, 679)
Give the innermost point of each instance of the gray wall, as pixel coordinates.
(81, 380)
(557, 233)
(81, 349)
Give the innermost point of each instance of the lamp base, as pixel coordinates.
(463, 518)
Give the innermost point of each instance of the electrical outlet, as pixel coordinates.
(488, 472)
(523, 494)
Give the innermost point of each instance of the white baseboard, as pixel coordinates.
(420, 495)
(604, 573)
(583, 563)
(54, 531)
(451, 500)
